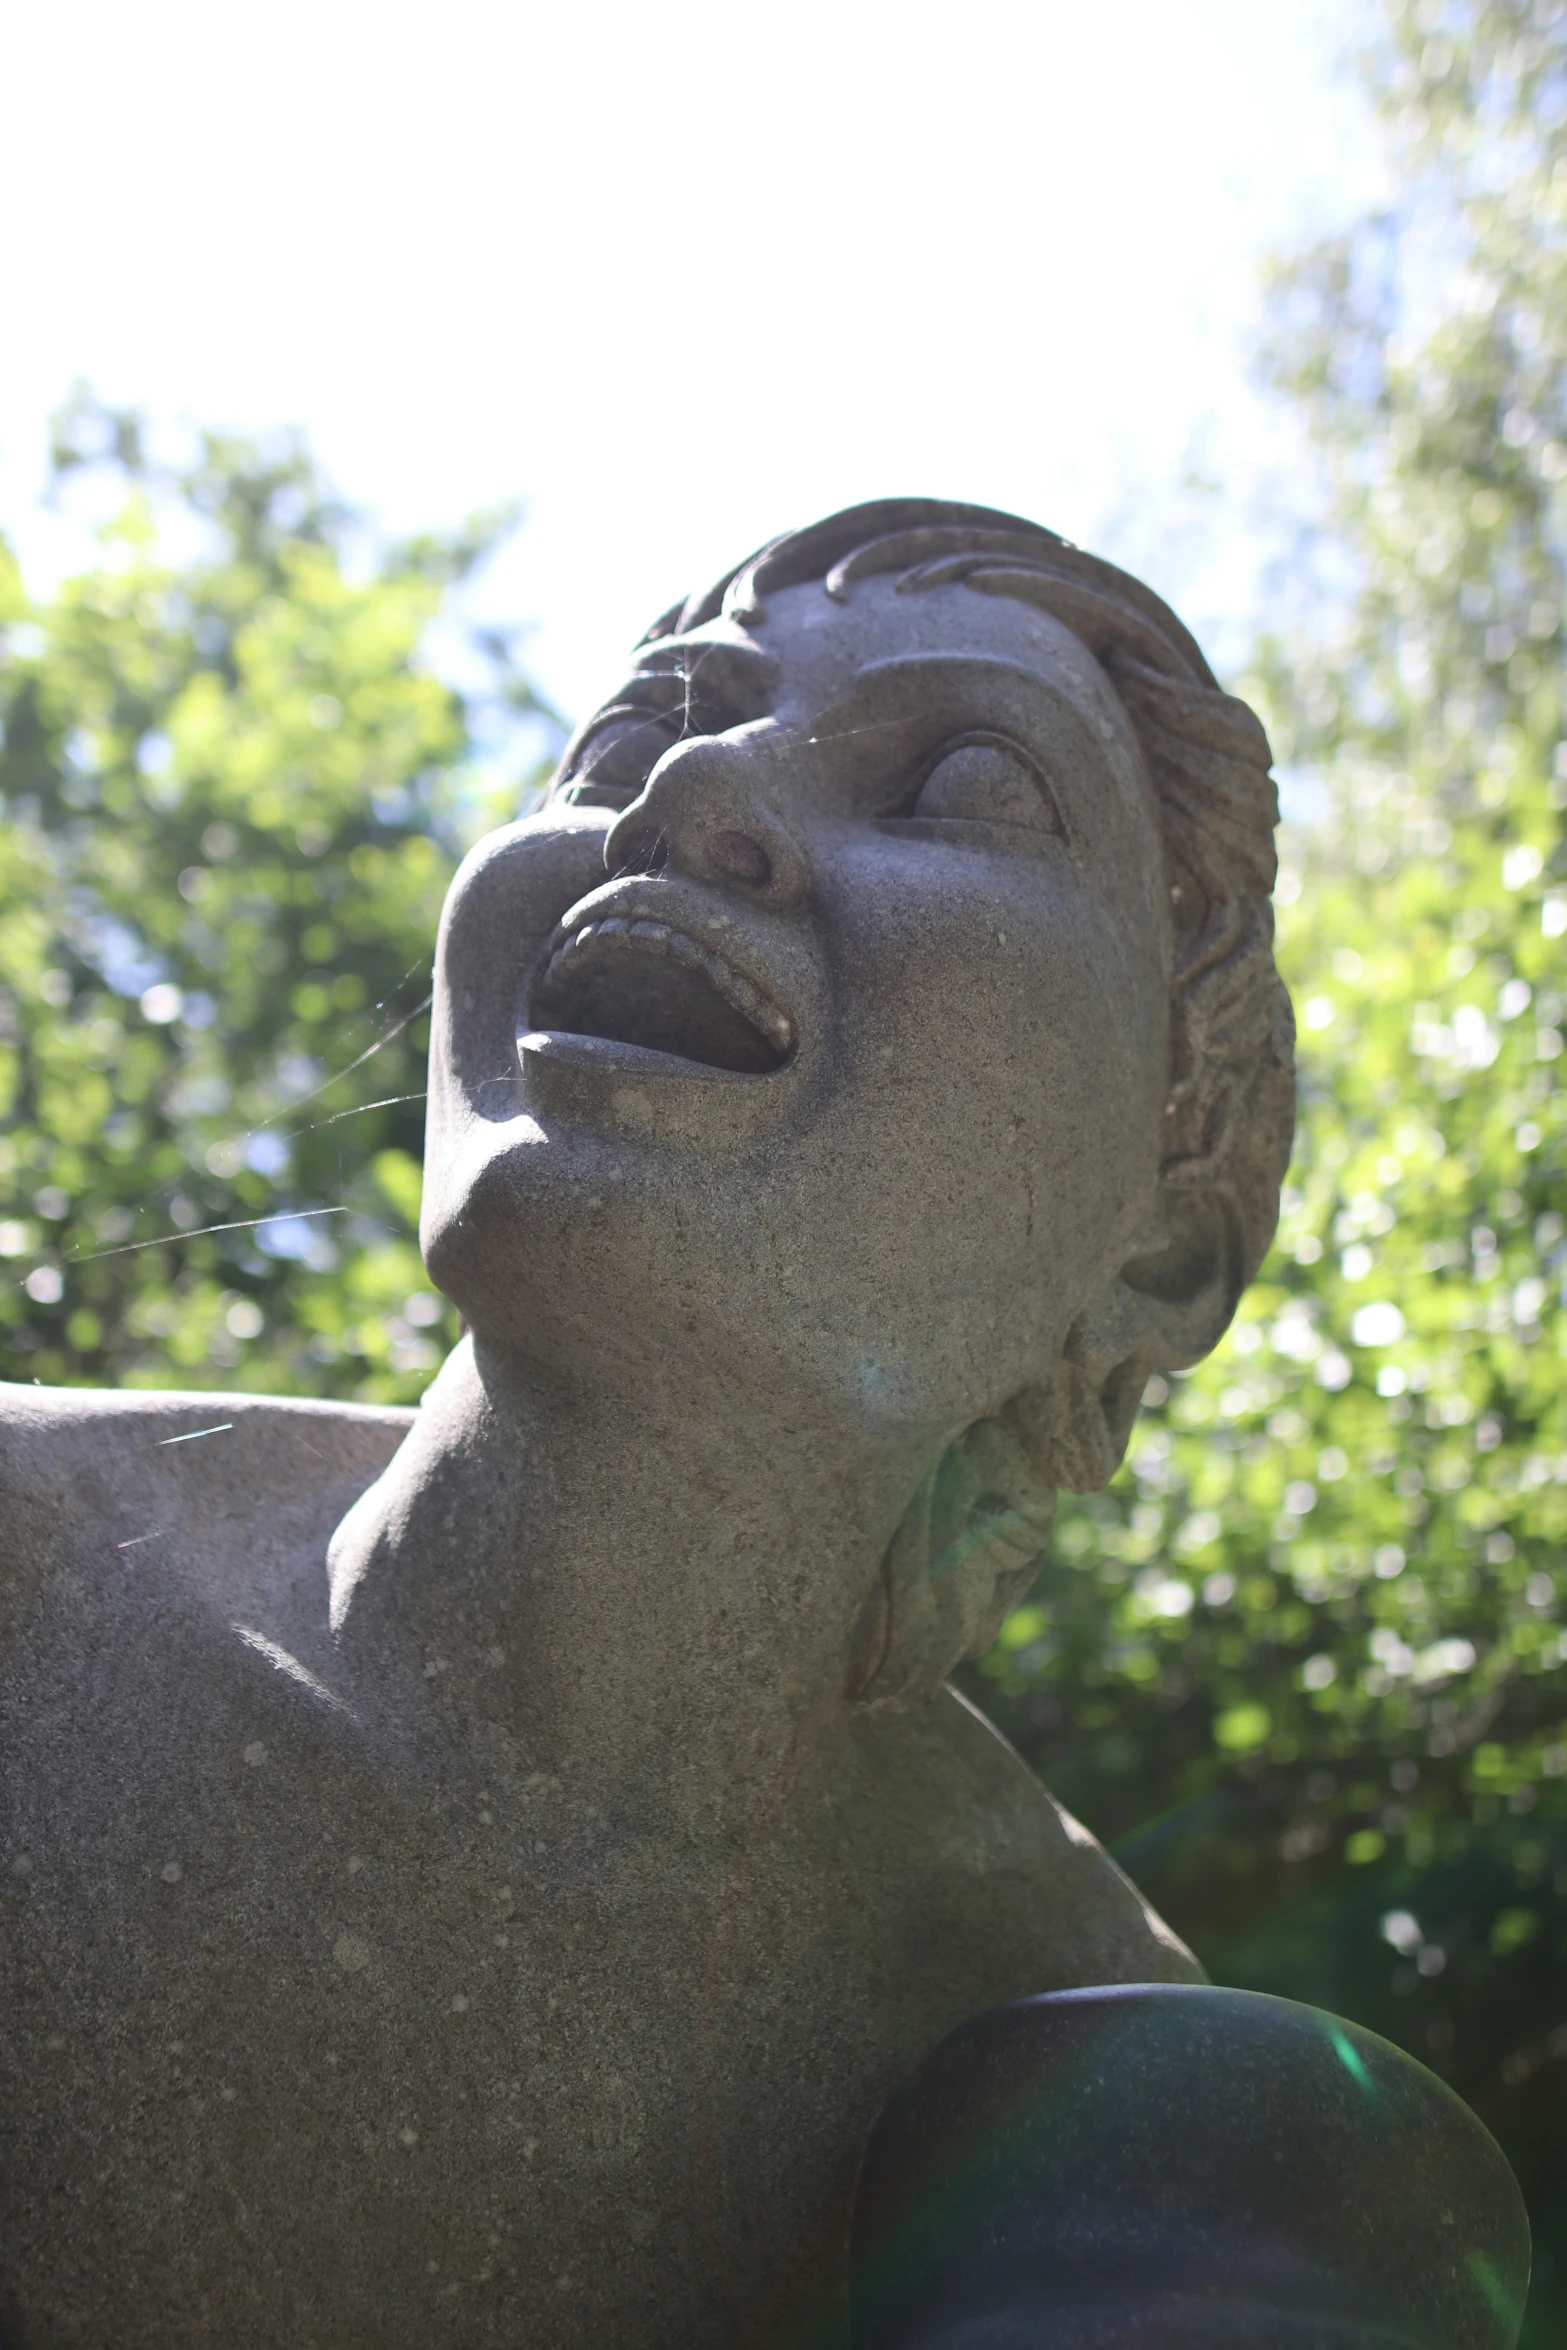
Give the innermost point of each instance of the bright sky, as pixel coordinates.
(678, 275)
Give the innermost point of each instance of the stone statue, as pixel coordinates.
(474, 1876)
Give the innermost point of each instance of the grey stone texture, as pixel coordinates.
(475, 1875)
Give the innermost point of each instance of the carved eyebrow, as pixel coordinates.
(944, 667)
(727, 683)
(894, 665)
(689, 687)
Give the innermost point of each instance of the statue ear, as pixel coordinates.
(1172, 1300)
(1168, 1305)
(965, 1552)
(970, 1542)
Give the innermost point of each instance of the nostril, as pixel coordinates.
(740, 857)
(643, 851)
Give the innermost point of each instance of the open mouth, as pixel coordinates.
(643, 983)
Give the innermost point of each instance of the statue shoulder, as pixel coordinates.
(89, 1471)
(1056, 1904)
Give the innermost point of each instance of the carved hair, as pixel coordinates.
(971, 1541)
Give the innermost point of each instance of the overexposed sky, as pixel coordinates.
(678, 275)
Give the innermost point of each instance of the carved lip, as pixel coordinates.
(651, 968)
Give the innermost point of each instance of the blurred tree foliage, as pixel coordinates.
(233, 793)
(1305, 1665)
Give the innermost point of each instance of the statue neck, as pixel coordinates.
(633, 1580)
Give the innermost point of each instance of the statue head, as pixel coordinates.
(877, 1031)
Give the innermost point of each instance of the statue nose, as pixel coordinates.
(702, 813)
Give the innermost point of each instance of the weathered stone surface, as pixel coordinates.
(474, 1876)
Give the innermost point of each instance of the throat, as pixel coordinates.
(628, 1601)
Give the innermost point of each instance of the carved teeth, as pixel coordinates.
(659, 939)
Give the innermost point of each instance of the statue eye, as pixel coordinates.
(611, 768)
(988, 782)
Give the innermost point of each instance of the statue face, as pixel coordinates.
(813, 1035)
